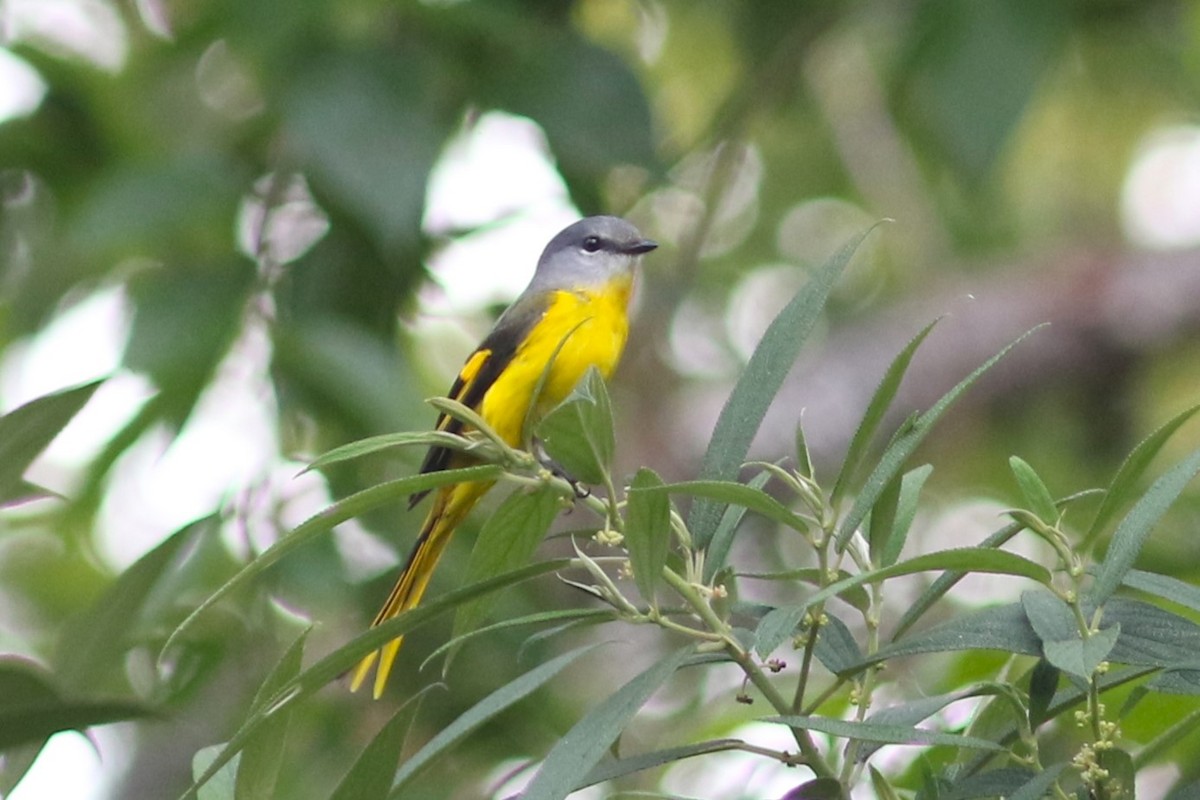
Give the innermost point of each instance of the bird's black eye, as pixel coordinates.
(591, 244)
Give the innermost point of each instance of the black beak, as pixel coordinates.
(644, 246)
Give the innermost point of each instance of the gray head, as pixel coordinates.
(590, 252)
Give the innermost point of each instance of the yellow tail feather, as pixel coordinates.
(450, 506)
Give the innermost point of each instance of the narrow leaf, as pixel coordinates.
(760, 381)
(486, 709)
(570, 615)
(919, 710)
(882, 519)
(26, 431)
(1037, 787)
(1037, 496)
(507, 541)
(741, 494)
(906, 512)
(1004, 628)
(778, 624)
(722, 539)
(325, 521)
(388, 441)
(905, 442)
(262, 758)
(1043, 683)
(620, 767)
(1165, 587)
(1129, 475)
(338, 662)
(883, 789)
(582, 747)
(1131, 534)
(856, 597)
(836, 648)
(647, 530)
(884, 734)
(370, 777)
(876, 409)
(946, 581)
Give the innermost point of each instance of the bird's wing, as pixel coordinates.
(481, 370)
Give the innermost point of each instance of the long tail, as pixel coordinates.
(449, 507)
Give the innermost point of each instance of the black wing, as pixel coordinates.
(475, 378)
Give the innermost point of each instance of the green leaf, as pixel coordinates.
(262, 758)
(578, 433)
(756, 388)
(362, 128)
(804, 464)
(581, 748)
(31, 707)
(325, 521)
(1037, 787)
(836, 648)
(884, 734)
(620, 767)
(570, 85)
(722, 539)
(856, 597)
(1131, 534)
(993, 783)
(740, 494)
(946, 581)
(570, 615)
(778, 624)
(387, 441)
(95, 643)
(1043, 683)
(882, 519)
(919, 710)
(1151, 636)
(1004, 628)
(906, 511)
(905, 442)
(876, 409)
(483, 711)
(507, 541)
(1170, 589)
(26, 431)
(965, 76)
(221, 785)
(647, 530)
(197, 309)
(883, 789)
(1037, 496)
(370, 777)
(337, 663)
(1062, 644)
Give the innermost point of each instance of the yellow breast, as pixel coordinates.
(591, 325)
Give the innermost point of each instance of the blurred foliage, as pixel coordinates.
(998, 134)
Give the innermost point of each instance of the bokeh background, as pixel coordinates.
(276, 226)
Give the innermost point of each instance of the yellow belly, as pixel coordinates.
(603, 324)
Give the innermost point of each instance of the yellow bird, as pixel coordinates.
(578, 298)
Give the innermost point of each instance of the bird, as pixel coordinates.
(572, 316)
